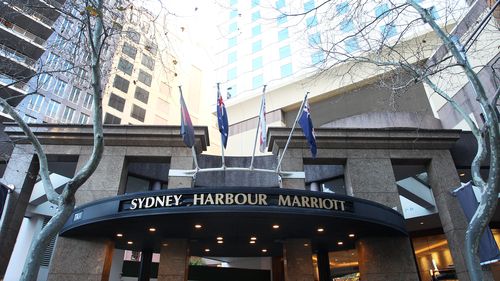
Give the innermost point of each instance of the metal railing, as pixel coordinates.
(15, 55)
(34, 14)
(23, 32)
(6, 80)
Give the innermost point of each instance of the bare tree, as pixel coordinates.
(394, 37)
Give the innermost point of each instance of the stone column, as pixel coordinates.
(182, 159)
(323, 265)
(21, 172)
(292, 162)
(443, 178)
(88, 258)
(174, 260)
(380, 258)
(298, 260)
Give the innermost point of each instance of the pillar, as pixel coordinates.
(298, 260)
(292, 162)
(182, 159)
(21, 172)
(380, 258)
(442, 179)
(323, 265)
(145, 267)
(174, 260)
(88, 258)
(277, 269)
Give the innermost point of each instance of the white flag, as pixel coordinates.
(262, 124)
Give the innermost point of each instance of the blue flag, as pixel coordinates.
(222, 118)
(488, 249)
(187, 129)
(308, 129)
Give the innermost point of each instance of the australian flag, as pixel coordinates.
(308, 129)
(222, 118)
(187, 129)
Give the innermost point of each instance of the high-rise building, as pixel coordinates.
(24, 31)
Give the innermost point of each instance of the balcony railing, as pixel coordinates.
(6, 80)
(34, 14)
(15, 55)
(23, 32)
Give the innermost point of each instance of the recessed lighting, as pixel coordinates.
(197, 226)
(462, 174)
(340, 243)
(264, 250)
(152, 229)
(252, 242)
(306, 245)
(276, 226)
(165, 244)
(207, 250)
(253, 238)
(351, 235)
(220, 242)
(119, 235)
(321, 229)
(220, 238)
(421, 222)
(130, 242)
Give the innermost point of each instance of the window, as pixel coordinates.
(281, 19)
(309, 5)
(231, 42)
(381, 10)
(342, 8)
(257, 63)
(145, 78)
(233, 27)
(351, 45)
(141, 94)
(36, 102)
(311, 21)
(116, 102)
(233, 14)
(88, 101)
(111, 119)
(317, 57)
(138, 113)
(256, 46)
(257, 81)
(52, 108)
(151, 47)
(129, 50)
(148, 61)
(231, 57)
(256, 30)
(80, 73)
(66, 25)
(346, 25)
(125, 66)
(74, 96)
(67, 115)
(388, 30)
(280, 4)
(231, 73)
(83, 118)
(255, 3)
(285, 52)
(121, 83)
(134, 36)
(52, 60)
(44, 80)
(283, 34)
(286, 70)
(315, 39)
(29, 119)
(68, 65)
(255, 15)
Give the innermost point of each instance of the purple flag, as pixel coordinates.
(187, 129)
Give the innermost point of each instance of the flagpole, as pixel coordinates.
(193, 150)
(221, 137)
(291, 132)
(258, 126)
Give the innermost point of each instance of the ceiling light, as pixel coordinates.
(165, 244)
(197, 226)
(421, 222)
(264, 250)
(276, 226)
(253, 238)
(306, 245)
(462, 174)
(351, 235)
(207, 250)
(220, 242)
(252, 242)
(119, 235)
(321, 229)
(220, 238)
(340, 243)
(152, 229)
(130, 242)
